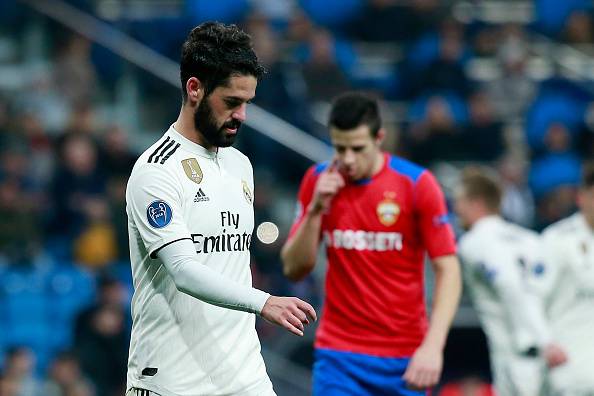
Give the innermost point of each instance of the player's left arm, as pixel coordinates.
(424, 369)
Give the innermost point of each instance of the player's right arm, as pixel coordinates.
(505, 273)
(154, 202)
(315, 196)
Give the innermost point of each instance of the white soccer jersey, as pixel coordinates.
(499, 260)
(569, 286)
(182, 346)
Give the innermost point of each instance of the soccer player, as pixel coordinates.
(569, 287)
(377, 215)
(499, 259)
(190, 221)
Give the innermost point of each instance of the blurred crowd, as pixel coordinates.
(64, 277)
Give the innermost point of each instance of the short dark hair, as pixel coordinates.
(353, 109)
(213, 52)
(481, 184)
(588, 175)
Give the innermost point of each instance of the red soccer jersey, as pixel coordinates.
(376, 234)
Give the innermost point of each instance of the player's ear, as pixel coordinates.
(195, 90)
(379, 138)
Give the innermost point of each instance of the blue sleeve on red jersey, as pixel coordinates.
(436, 231)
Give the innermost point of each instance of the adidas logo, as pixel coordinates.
(200, 196)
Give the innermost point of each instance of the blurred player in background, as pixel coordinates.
(569, 289)
(499, 258)
(190, 220)
(377, 214)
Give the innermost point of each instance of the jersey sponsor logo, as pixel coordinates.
(388, 210)
(247, 193)
(364, 240)
(158, 214)
(226, 242)
(192, 170)
(201, 196)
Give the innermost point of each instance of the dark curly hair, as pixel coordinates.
(213, 52)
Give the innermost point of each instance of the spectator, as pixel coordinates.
(435, 133)
(115, 156)
(18, 372)
(514, 90)
(74, 75)
(483, 135)
(65, 378)
(517, 202)
(326, 61)
(393, 20)
(77, 184)
(436, 62)
(579, 29)
(101, 340)
(20, 232)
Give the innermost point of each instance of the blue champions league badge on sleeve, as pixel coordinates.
(158, 214)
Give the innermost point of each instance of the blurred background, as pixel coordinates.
(87, 85)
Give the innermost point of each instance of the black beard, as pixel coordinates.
(206, 124)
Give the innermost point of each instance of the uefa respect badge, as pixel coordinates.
(158, 214)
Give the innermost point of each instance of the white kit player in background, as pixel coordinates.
(568, 285)
(499, 259)
(190, 220)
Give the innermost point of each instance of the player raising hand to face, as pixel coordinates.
(378, 215)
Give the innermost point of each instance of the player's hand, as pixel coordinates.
(327, 186)
(288, 312)
(424, 368)
(554, 355)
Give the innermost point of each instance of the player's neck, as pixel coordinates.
(589, 220)
(378, 164)
(481, 216)
(184, 125)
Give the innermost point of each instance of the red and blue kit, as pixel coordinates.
(376, 234)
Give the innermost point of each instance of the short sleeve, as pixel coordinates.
(436, 231)
(154, 205)
(304, 198)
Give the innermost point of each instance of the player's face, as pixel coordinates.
(219, 116)
(357, 151)
(463, 208)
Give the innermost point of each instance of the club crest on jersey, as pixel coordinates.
(247, 193)
(158, 214)
(192, 169)
(388, 210)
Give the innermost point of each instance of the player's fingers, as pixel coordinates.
(333, 165)
(287, 325)
(412, 376)
(308, 309)
(300, 314)
(295, 321)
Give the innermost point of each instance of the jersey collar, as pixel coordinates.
(190, 145)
